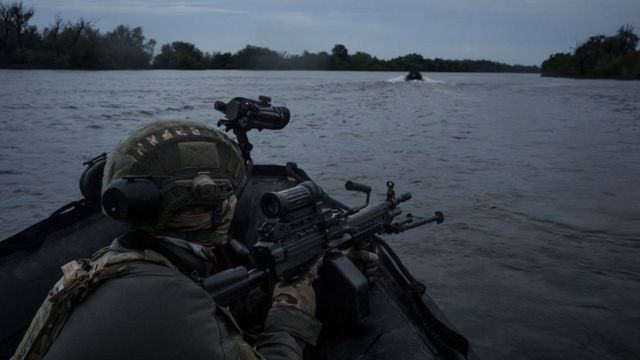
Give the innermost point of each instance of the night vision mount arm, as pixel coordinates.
(243, 114)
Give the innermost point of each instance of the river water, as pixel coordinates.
(539, 180)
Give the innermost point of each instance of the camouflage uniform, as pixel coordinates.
(154, 311)
(139, 298)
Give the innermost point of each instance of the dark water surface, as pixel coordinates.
(539, 180)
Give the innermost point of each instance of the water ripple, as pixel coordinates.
(538, 179)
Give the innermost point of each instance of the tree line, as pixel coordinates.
(614, 57)
(80, 45)
(182, 55)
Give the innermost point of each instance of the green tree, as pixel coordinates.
(126, 48)
(78, 45)
(340, 51)
(558, 64)
(51, 40)
(5, 25)
(220, 60)
(179, 55)
(409, 62)
(14, 28)
(600, 56)
(361, 61)
(255, 57)
(339, 57)
(626, 40)
(17, 17)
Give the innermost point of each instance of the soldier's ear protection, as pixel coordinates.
(132, 199)
(91, 178)
(137, 199)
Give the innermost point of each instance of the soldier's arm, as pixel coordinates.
(287, 331)
(290, 324)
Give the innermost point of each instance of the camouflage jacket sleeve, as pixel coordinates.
(287, 330)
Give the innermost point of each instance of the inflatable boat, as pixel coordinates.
(413, 75)
(400, 320)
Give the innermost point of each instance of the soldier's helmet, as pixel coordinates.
(165, 168)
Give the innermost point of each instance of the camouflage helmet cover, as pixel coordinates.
(174, 150)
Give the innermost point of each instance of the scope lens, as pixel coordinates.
(270, 205)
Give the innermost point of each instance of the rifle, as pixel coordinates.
(301, 228)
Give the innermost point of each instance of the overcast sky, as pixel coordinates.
(511, 31)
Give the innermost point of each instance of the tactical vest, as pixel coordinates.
(80, 278)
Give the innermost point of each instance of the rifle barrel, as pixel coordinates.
(233, 282)
(368, 214)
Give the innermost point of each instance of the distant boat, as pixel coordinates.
(413, 75)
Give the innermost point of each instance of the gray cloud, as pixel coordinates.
(144, 8)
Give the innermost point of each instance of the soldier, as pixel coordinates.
(176, 183)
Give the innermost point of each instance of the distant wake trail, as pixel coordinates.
(425, 80)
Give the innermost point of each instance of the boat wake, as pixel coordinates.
(425, 80)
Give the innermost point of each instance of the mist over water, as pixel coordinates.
(538, 178)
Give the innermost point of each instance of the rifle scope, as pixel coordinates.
(278, 204)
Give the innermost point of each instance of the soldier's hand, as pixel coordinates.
(366, 259)
(299, 293)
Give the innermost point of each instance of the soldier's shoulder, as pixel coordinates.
(144, 308)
